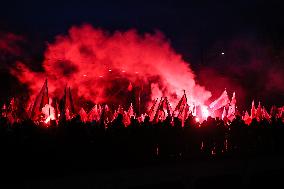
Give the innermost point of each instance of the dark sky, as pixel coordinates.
(185, 23)
(194, 28)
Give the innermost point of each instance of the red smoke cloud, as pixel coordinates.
(99, 66)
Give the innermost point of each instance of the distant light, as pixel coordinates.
(136, 72)
(109, 70)
(123, 71)
(100, 76)
(84, 75)
(222, 53)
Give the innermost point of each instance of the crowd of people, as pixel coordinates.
(94, 144)
(148, 140)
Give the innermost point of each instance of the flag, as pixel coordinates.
(83, 115)
(152, 109)
(279, 112)
(247, 119)
(224, 114)
(233, 101)
(56, 108)
(106, 115)
(232, 108)
(253, 110)
(265, 114)
(163, 110)
(126, 118)
(130, 87)
(259, 112)
(30, 108)
(69, 100)
(130, 110)
(183, 114)
(223, 100)
(40, 101)
(120, 110)
(180, 106)
(273, 111)
(67, 106)
(168, 107)
(160, 114)
(94, 114)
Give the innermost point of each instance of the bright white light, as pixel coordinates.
(48, 112)
(84, 75)
(222, 53)
(47, 120)
(109, 70)
(204, 111)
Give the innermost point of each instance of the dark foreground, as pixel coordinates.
(78, 155)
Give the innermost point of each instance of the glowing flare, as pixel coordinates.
(205, 112)
(197, 119)
(48, 112)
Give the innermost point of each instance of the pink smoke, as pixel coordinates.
(99, 66)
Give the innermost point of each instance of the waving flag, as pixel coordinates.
(259, 112)
(222, 101)
(130, 87)
(253, 110)
(180, 106)
(83, 115)
(247, 119)
(152, 110)
(265, 114)
(224, 114)
(94, 114)
(41, 100)
(232, 108)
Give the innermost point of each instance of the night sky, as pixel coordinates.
(199, 30)
(184, 23)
